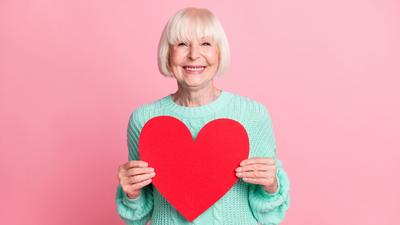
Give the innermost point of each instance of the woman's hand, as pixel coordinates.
(133, 176)
(260, 171)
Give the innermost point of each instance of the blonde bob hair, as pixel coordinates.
(190, 23)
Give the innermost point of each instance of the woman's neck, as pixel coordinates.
(190, 98)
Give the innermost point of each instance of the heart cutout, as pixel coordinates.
(193, 174)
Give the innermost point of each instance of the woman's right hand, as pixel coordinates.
(133, 176)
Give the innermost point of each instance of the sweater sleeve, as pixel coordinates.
(134, 211)
(268, 208)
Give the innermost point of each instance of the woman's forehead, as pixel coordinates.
(190, 38)
(201, 38)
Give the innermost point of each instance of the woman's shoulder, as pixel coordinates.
(248, 105)
(146, 111)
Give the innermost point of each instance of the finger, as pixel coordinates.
(140, 178)
(135, 163)
(263, 160)
(256, 167)
(126, 176)
(259, 181)
(139, 170)
(124, 181)
(140, 185)
(255, 174)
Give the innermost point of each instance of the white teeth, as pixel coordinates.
(194, 68)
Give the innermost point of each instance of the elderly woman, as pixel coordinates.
(194, 49)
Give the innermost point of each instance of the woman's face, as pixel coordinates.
(195, 63)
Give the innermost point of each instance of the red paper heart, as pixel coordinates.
(193, 174)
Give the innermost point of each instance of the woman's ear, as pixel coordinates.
(171, 74)
(169, 67)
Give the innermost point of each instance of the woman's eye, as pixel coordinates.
(206, 43)
(182, 44)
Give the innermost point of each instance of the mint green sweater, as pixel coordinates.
(244, 203)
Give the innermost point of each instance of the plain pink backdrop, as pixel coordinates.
(72, 71)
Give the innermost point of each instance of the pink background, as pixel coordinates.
(72, 71)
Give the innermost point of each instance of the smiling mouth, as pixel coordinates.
(194, 69)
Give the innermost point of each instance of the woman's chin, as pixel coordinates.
(195, 83)
(195, 80)
(193, 75)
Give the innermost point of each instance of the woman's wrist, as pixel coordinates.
(272, 188)
(133, 196)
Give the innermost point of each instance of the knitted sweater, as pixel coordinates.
(244, 203)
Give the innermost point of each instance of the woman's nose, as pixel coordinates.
(194, 52)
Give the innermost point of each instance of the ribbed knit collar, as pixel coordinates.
(197, 111)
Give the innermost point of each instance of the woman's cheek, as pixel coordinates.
(213, 57)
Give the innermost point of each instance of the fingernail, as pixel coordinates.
(238, 169)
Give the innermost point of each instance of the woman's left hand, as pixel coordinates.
(259, 170)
